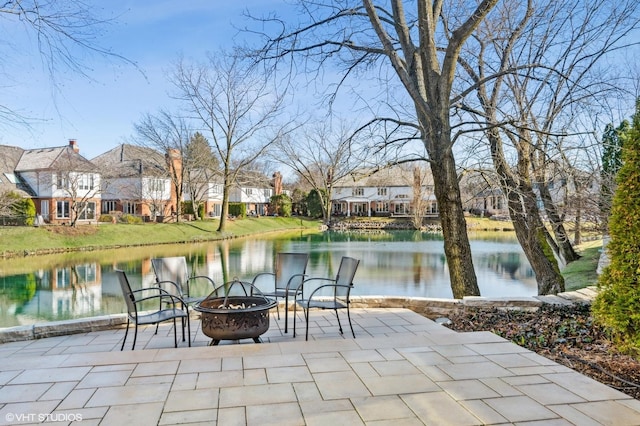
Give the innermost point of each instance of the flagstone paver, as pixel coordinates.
(401, 369)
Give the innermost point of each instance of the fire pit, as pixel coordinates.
(235, 317)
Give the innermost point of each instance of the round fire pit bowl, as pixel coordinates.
(234, 317)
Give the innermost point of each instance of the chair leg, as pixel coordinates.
(294, 319)
(135, 336)
(350, 325)
(338, 318)
(175, 334)
(125, 336)
(286, 312)
(186, 307)
(306, 317)
(188, 329)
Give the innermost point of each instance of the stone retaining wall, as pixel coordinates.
(429, 307)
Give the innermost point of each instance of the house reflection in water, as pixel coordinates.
(65, 292)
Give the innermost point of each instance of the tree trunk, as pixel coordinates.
(525, 215)
(225, 206)
(531, 235)
(454, 227)
(566, 251)
(577, 236)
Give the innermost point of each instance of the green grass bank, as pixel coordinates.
(21, 241)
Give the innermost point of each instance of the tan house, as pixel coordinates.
(136, 181)
(64, 185)
(394, 191)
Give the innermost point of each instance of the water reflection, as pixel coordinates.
(83, 284)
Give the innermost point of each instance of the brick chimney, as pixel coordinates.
(74, 145)
(277, 183)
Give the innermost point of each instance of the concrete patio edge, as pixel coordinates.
(429, 307)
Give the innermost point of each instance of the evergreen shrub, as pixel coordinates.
(617, 305)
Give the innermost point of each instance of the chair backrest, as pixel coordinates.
(172, 269)
(129, 298)
(346, 272)
(288, 265)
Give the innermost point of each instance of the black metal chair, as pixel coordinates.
(328, 293)
(169, 308)
(175, 270)
(289, 273)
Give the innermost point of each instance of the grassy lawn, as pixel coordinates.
(18, 240)
(582, 272)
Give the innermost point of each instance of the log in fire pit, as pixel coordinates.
(235, 317)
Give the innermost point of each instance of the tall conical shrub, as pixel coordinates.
(617, 305)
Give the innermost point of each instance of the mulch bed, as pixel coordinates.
(565, 334)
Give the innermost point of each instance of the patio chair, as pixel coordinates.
(328, 293)
(169, 308)
(174, 270)
(289, 273)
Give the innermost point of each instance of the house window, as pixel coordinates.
(249, 191)
(62, 209)
(86, 273)
(358, 192)
(85, 181)
(382, 192)
(382, 207)
(267, 193)
(156, 185)
(11, 177)
(401, 208)
(62, 181)
(216, 189)
(87, 211)
(63, 278)
(108, 206)
(129, 207)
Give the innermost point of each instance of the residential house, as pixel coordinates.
(393, 191)
(255, 191)
(136, 181)
(206, 188)
(64, 185)
(9, 181)
(489, 202)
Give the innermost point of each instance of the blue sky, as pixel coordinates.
(100, 111)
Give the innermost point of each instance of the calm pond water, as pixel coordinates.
(83, 284)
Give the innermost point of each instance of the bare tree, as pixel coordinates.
(169, 134)
(422, 47)
(65, 33)
(422, 189)
(320, 156)
(201, 168)
(238, 108)
(545, 54)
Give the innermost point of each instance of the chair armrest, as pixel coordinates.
(316, 289)
(196, 277)
(163, 294)
(262, 274)
(296, 276)
(157, 283)
(301, 286)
